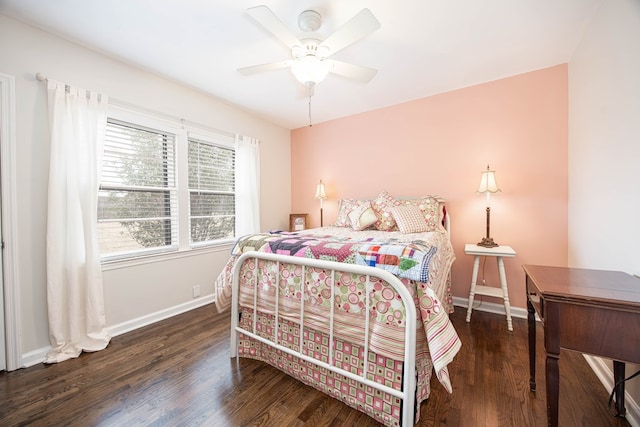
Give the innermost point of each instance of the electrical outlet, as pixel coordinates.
(196, 291)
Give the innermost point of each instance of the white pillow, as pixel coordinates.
(362, 216)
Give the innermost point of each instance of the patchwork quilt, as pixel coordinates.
(403, 259)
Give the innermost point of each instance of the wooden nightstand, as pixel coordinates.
(502, 292)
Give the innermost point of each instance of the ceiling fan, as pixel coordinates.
(310, 55)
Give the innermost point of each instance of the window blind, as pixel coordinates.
(211, 191)
(137, 200)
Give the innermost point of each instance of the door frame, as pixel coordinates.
(13, 344)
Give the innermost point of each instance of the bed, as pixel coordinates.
(359, 314)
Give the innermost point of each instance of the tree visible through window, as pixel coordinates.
(137, 206)
(140, 191)
(211, 191)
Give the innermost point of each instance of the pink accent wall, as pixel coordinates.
(440, 145)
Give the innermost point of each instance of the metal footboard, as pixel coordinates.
(407, 394)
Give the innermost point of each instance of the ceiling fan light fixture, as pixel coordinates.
(310, 70)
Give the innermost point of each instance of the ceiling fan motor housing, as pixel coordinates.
(310, 47)
(309, 21)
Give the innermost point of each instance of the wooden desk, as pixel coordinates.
(590, 311)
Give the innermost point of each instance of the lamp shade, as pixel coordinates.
(310, 69)
(320, 192)
(488, 182)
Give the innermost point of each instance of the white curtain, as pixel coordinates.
(247, 185)
(75, 297)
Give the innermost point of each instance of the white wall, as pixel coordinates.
(604, 145)
(140, 290)
(604, 141)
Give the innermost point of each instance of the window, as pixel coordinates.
(211, 191)
(163, 188)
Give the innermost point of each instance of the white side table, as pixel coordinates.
(502, 292)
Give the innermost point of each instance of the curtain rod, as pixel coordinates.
(43, 78)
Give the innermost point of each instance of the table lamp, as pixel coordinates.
(488, 185)
(321, 194)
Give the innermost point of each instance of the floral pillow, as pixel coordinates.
(362, 216)
(346, 205)
(382, 206)
(409, 218)
(430, 208)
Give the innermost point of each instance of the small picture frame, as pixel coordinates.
(297, 222)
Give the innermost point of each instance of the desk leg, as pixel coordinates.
(505, 293)
(552, 347)
(472, 291)
(531, 320)
(618, 377)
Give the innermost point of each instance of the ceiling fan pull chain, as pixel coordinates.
(310, 107)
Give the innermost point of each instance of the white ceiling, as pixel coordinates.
(423, 47)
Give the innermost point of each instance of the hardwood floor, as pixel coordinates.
(178, 373)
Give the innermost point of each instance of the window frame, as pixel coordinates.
(182, 134)
(218, 140)
(168, 192)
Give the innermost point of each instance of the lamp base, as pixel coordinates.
(487, 242)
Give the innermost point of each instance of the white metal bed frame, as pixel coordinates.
(409, 376)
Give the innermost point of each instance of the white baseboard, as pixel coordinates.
(37, 356)
(34, 356)
(490, 307)
(602, 371)
(605, 375)
(148, 319)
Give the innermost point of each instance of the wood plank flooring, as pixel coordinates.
(178, 373)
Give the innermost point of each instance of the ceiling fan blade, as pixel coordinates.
(254, 69)
(352, 71)
(265, 17)
(357, 28)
